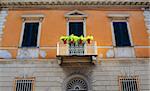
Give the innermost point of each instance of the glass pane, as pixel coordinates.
(76, 28)
(30, 35)
(121, 34)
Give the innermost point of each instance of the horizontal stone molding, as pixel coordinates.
(54, 3)
(49, 61)
(31, 17)
(54, 47)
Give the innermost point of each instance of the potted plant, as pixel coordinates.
(81, 39)
(89, 38)
(76, 39)
(64, 39)
(73, 39)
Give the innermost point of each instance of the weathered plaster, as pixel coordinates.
(28, 53)
(110, 53)
(147, 20)
(42, 53)
(124, 52)
(3, 15)
(5, 54)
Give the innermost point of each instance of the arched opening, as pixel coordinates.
(77, 84)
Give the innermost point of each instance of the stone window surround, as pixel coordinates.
(31, 18)
(76, 76)
(76, 18)
(26, 78)
(121, 78)
(120, 18)
(122, 52)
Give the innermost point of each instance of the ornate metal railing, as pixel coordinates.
(76, 49)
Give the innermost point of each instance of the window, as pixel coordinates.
(76, 28)
(121, 34)
(76, 24)
(77, 84)
(24, 84)
(30, 35)
(128, 83)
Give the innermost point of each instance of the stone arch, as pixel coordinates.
(76, 82)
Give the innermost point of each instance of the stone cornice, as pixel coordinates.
(52, 61)
(73, 3)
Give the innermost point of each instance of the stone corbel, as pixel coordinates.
(94, 59)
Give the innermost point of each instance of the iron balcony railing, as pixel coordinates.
(76, 49)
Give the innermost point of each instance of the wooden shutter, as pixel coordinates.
(76, 28)
(121, 34)
(30, 35)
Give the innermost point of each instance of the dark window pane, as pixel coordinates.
(121, 34)
(129, 85)
(76, 28)
(30, 35)
(24, 85)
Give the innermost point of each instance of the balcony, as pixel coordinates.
(77, 52)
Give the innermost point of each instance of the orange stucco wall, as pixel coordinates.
(54, 25)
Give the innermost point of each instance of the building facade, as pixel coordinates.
(33, 58)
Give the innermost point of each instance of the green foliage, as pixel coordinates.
(64, 38)
(75, 39)
(89, 37)
(82, 38)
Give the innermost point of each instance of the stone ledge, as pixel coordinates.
(26, 61)
(54, 3)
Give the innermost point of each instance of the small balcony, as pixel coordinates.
(77, 52)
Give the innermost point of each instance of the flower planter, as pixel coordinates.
(80, 42)
(88, 40)
(76, 39)
(71, 42)
(65, 41)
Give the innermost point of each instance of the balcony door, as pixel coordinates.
(76, 28)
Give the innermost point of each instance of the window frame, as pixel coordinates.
(38, 36)
(20, 78)
(128, 77)
(68, 20)
(129, 33)
(78, 20)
